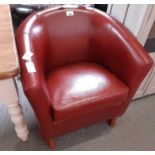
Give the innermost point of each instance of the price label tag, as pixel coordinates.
(69, 13)
(27, 56)
(30, 67)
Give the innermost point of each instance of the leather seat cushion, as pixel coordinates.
(82, 88)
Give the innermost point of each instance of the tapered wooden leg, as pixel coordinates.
(112, 122)
(51, 143)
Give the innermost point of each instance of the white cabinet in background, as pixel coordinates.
(150, 88)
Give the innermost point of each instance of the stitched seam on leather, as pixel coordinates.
(91, 99)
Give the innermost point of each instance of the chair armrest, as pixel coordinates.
(121, 53)
(34, 84)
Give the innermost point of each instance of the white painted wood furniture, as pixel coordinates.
(9, 68)
(138, 18)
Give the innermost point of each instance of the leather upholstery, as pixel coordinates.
(66, 49)
(83, 88)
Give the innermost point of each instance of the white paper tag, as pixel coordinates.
(27, 56)
(30, 67)
(69, 13)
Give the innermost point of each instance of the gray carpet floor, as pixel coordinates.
(135, 130)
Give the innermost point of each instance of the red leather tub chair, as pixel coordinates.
(79, 67)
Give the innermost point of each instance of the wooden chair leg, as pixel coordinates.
(112, 122)
(51, 143)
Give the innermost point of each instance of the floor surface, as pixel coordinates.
(135, 130)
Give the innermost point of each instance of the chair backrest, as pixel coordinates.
(60, 36)
(68, 34)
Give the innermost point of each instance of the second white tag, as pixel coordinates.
(30, 67)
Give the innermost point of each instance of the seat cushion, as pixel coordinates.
(82, 88)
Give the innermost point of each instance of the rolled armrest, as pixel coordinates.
(34, 84)
(120, 52)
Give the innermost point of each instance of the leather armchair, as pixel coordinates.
(79, 67)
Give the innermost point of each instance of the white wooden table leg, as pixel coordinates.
(9, 96)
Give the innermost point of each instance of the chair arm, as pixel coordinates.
(123, 55)
(34, 85)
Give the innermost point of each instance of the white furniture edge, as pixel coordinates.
(9, 97)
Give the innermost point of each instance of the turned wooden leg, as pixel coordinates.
(16, 116)
(51, 143)
(112, 122)
(9, 96)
